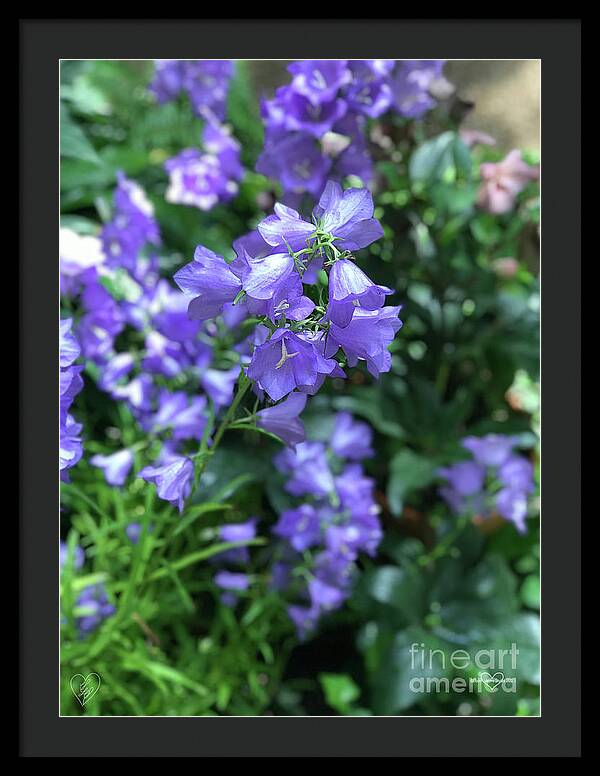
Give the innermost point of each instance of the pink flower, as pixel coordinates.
(503, 181)
(472, 137)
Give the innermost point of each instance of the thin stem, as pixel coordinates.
(441, 549)
(202, 458)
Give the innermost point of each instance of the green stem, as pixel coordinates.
(441, 549)
(203, 456)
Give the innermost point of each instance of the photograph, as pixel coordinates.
(299, 388)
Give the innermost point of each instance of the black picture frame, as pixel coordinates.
(556, 733)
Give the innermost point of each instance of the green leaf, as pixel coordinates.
(408, 472)
(340, 691)
(433, 160)
(196, 557)
(401, 588)
(121, 286)
(73, 141)
(530, 591)
(400, 677)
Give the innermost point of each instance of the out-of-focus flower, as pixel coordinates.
(502, 182)
(92, 607)
(505, 267)
(202, 179)
(473, 485)
(80, 255)
(206, 82)
(301, 527)
(78, 555)
(491, 449)
(336, 522)
(116, 466)
(350, 438)
(473, 137)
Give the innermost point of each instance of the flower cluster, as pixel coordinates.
(204, 178)
(495, 480)
(206, 82)
(123, 293)
(502, 182)
(71, 383)
(335, 521)
(92, 605)
(275, 270)
(315, 126)
(229, 578)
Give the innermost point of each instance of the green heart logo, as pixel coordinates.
(492, 682)
(84, 687)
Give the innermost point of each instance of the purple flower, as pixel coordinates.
(173, 479)
(196, 179)
(116, 466)
(80, 257)
(319, 79)
(296, 160)
(69, 349)
(92, 606)
(369, 92)
(210, 281)
(285, 227)
(286, 362)
(219, 384)
(517, 473)
(70, 383)
(324, 596)
(282, 419)
(350, 288)
(287, 301)
(168, 79)
(134, 531)
(489, 450)
(301, 527)
(410, 85)
(184, 416)
(351, 439)
(348, 215)
(304, 618)
(366, 338)
(263, 276)
(512, 505)
(78, 555)
(206, 82)
(118, 367)
(204, 179)
(70, 448)
(293, 111)
(238, 532)
(309, 469)
(229, 580)
(132, 227)
(466, 477)
(355, 491)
